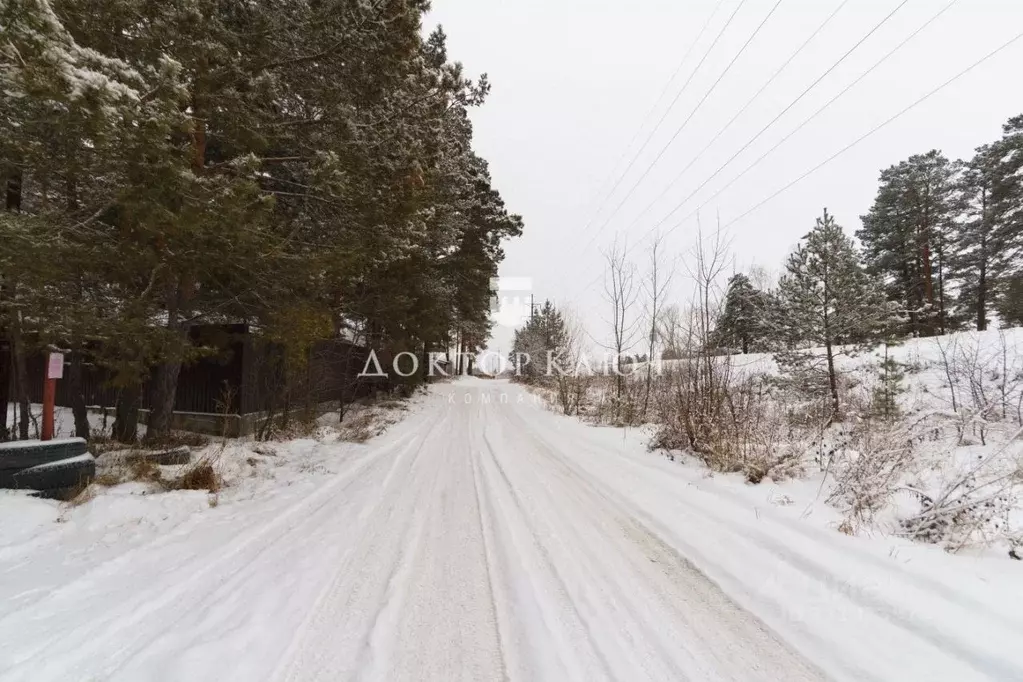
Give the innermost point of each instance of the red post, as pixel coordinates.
(54, 371)
(49, 397)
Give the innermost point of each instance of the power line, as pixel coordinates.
(784, 111)
(877, 128)
(696, 109)
(859, 140)
(740, 112)
(798, 128)
(685, 86)
(667, 87)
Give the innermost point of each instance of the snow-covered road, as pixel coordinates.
(485, 538)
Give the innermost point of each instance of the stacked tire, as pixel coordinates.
(56, 469)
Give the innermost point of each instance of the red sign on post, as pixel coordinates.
(54, 371)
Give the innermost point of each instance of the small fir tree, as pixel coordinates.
(830, 308)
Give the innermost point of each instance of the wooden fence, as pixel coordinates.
(236, 373)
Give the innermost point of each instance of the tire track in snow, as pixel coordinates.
(84, 582)
(554, 625)
(833, 540)
(415, 601)
(814, 572)
(646, 650)
(485, 519)
(307, 656)
(648, 522)
(375, 655)
(113, 639)
(723, 625)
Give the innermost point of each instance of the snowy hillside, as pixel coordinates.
(947, 467)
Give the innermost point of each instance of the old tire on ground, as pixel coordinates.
(58, 479)
(19, 455)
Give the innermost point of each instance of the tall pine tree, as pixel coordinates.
(905, 238)
(303, 167)
(830, 308)
(978, 240)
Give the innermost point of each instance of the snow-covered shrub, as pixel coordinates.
(983, 383)
(1016, 545)
(969, 502)
(572, 392)
(868, 463)
(609, 403)
(732, 422)
(201, 475)
(692, 405)
(917, 418)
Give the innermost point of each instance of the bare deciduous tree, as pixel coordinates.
(656, 286)
(621, 290)
(572, 377)
(670, 328)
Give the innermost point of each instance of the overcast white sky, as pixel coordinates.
(574, 79)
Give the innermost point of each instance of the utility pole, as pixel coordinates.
(532, 307)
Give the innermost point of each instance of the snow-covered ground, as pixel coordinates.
(955, 443)
(63, 421)
(486, 538)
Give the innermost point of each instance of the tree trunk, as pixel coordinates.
(76, 388)
(9, 371)
(20, 376)
(126, 419)
(982, 275)
(836, 414)
(982, 300)
(649, 382)
(165, 379)
(423, 362)
(928, 286)
(12, 200)
(942, 321)
(6, 356)
(829, 349)
(5, 387)
(165, 385)
(927, 253)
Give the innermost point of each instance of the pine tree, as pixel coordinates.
(90, 130)
(1010, 302)
(827, 302)
(544, 339)
(1007, 200)
(746, 321)
(304, 167)
(890, 372)
(905, 238)
(978, 243)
